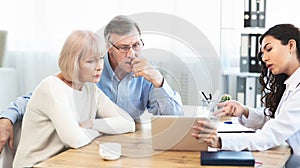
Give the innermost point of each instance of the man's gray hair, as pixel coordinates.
(120, 25)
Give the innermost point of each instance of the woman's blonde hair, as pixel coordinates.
(79, 44)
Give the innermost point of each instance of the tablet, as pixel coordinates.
(174, 133)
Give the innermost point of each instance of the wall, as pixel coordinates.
(277, 12)
(37, 30)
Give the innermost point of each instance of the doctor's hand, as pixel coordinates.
(207, 133)
(142, 67)
(6, 134)
(232, 108)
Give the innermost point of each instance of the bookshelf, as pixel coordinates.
(240, 45)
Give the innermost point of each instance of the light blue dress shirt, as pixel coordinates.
(16, 109)
(136, 94)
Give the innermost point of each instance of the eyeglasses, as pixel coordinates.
(124, 49)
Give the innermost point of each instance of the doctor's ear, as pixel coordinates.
(292, 44)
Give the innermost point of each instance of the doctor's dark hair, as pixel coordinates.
(273, 85)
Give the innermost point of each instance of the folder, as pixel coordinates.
(258, 93)
(245, 52)
(253, 13)
(250, 91)
(248, 53)
(247, 13)
(262, 13)
(254, 64)
(227, 158)
(253, 44)
(240, 90)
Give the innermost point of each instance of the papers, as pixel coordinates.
(233, 126)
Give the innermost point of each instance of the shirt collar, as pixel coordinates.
(293, 81)
(109, 69)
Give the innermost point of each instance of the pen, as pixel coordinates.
(204, 95)
(227, 122)
(204, 98)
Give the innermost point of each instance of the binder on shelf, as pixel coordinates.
(247, 13)
(245, 52)
(250, 91)
(262, 13)
(253, 45)
(253, 13)
(248, 54)
(254, 64)
(240, 90)
(258, 93)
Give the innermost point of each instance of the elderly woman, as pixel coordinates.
(67, 110)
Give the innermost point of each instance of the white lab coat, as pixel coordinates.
(285, 127)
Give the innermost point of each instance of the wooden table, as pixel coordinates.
(137, 152)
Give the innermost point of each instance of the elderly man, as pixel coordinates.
(128, 79)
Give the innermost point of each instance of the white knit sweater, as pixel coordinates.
(51, 121)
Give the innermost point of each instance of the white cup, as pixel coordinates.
(110, 151)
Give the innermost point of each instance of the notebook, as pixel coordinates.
(227, 158)
(174, 133)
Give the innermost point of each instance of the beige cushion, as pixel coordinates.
(8, 86)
